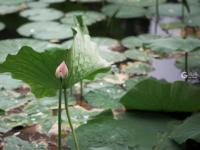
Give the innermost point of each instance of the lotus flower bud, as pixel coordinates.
(62, 70)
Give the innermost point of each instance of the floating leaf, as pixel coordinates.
(111, 56)
(173, 44)
(37, 4)
(135, 54)
(189, 129)
(41, 14)
(128, 132)
(137, 68)
(87, 1)
(12, 2)
(140, 3)
(8, 9)
(105, 41)
(8, 101)
(52, 1)
(133, 41)
(45, 30)
(155, 95)
(173, 10)
(89, 17)
(123, 11)
(16, 143)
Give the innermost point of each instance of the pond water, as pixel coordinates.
(165, 69)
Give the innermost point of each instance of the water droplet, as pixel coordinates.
(32, 30)
(108, 90)
(171, 10)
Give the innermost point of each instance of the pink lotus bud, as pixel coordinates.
(62, 70)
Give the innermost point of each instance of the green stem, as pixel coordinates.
(59, 117)
(157, 16)
(69, 120)
(186, 64)
(81, 89)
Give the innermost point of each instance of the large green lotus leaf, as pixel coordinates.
(41, 14)
(104, 95)
(155, 95)
(189, 129)
(2, 26)
(89, 17)
(45, 30)
(133, 41)
(140, 131)
(142, 3)
(36, 69)
(174, 10)
(135, 54)
(123, 11)
(12, 46)
(173, 44)
(193, 62)
(16, 143)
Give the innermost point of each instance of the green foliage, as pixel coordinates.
(128, 132)
(155, 95)
(38, 69)
(174, 44)
(39, 30)
(89, 17)
(189, 129)
(41, 14)
(123, 11)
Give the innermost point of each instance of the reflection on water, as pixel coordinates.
(165, 69)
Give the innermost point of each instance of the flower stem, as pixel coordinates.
(69, 120)
(59, 117)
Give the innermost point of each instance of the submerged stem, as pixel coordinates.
(59, 117)
(69, 119)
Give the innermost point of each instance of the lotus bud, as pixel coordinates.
(62, 71)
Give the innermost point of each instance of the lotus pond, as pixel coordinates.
(99, 74)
